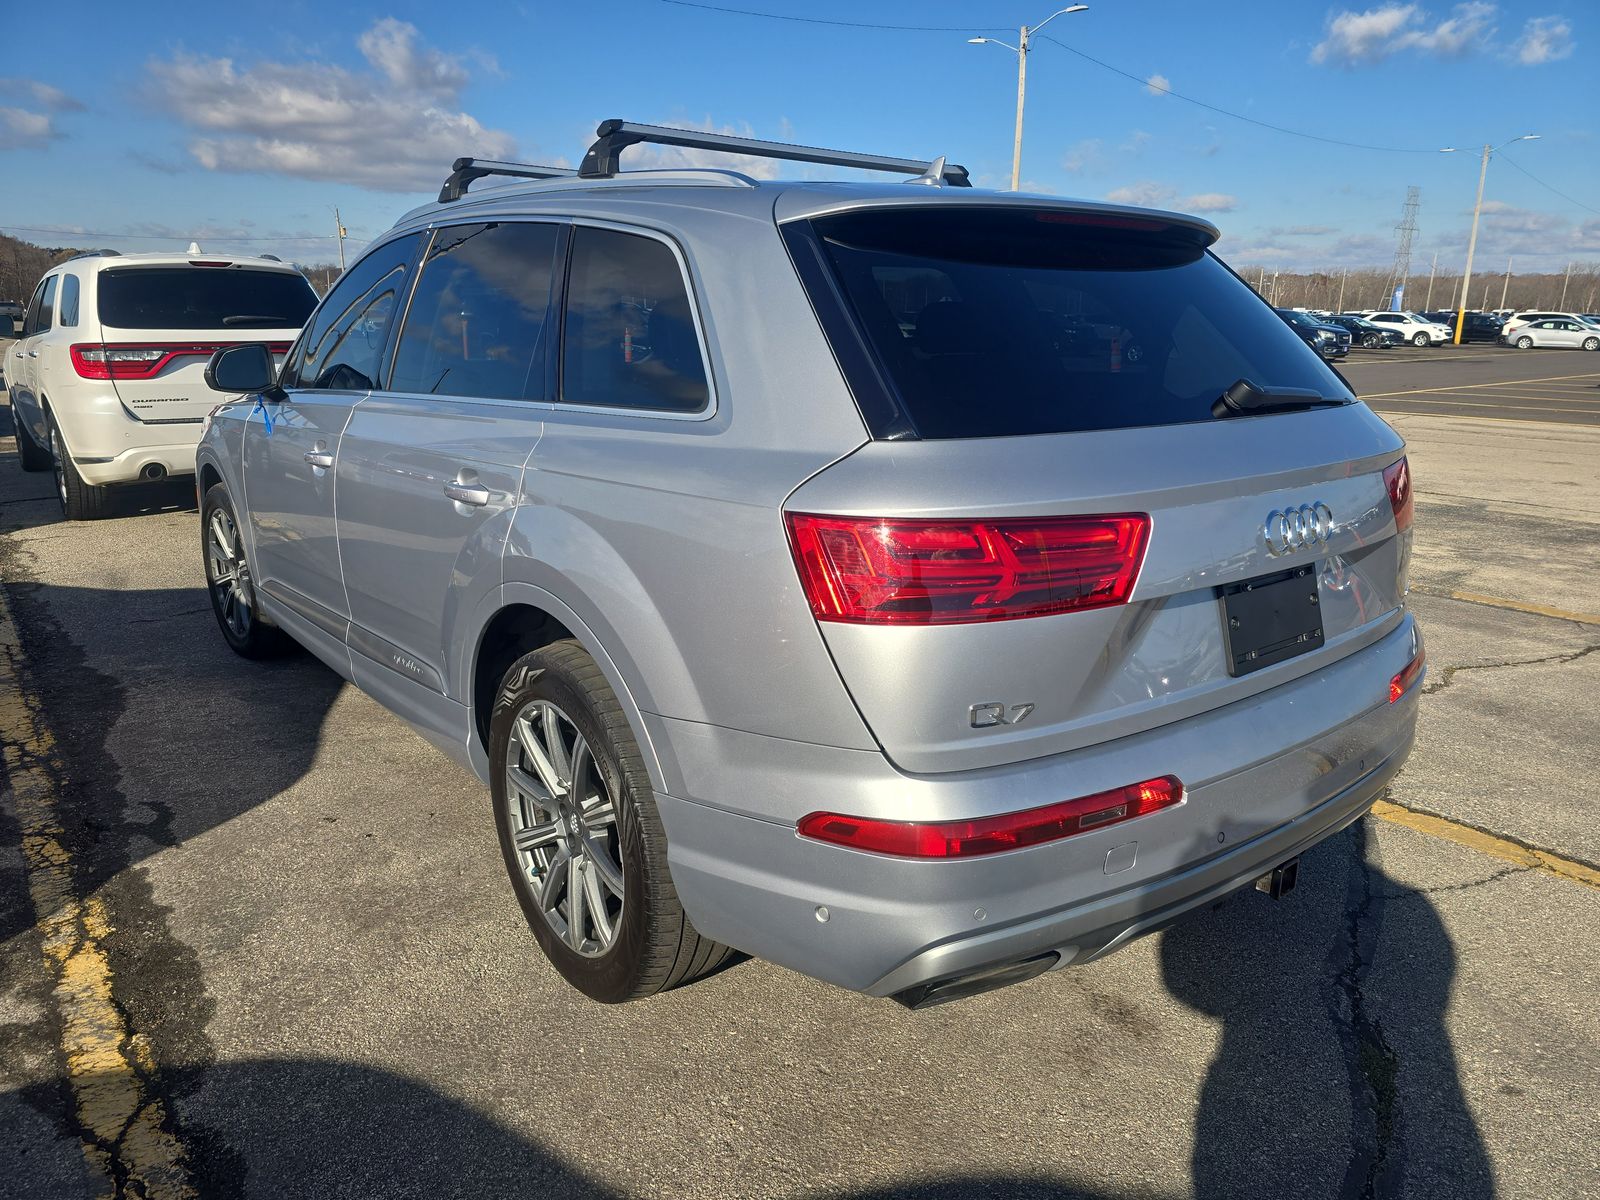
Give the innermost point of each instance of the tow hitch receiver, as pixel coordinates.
(1280, 881)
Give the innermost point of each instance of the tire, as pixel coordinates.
(1371, 342)
(229, 584)
(80, 501)
(30, 454)
(643, 942)
(1419, 339)
(1524, 343)
(1591, 343)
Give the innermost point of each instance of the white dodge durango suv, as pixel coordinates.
(108, 377)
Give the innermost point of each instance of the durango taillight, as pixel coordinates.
(1397, 479)
(991, 835)
(892, 571)
(142, 360)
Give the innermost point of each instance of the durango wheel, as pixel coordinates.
(580, 835)
(80, 501)
(228, 581)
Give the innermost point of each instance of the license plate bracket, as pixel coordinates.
(1270, 619)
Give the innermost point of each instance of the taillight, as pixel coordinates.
(1397, 479)
(143, 360)
(1403, 682)
(991, 835)
(892, 571)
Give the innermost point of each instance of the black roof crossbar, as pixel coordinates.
(465, 170)
(614, 136)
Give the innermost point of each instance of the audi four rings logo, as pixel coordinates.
(1291, 529)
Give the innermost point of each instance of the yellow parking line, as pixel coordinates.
(1486, 843)
(126, 1145)
(1538, 610)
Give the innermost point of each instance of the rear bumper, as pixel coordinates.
(108, 445)
(1255, 798)
(175, 458)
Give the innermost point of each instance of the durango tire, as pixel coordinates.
(580, 834)
(31, 455)
(1524, 343)
(229, 583)
(80, 501)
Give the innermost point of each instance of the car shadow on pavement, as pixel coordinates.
(1335, 1074)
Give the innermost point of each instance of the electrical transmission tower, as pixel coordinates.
(1407, 229)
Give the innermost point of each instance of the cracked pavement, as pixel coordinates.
(311, 928)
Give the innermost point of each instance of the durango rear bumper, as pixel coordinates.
(1309, 758)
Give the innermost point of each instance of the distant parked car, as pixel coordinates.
(1367, 335)
(1478, 326)
(10, 317)
(108, 379)
(1562, 333)
(1518, 320)
(1330, 341)
(1417, 330)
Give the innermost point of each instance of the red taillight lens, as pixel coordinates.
(142, 360)
(879, 570)
(1397, 479)
(1402, 683)
(991, 835)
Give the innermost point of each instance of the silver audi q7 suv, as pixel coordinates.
(918, 587)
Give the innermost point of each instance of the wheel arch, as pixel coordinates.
(524, 619)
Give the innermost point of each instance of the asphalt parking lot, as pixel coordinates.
(255, 938)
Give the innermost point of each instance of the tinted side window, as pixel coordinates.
(46, 316)
(476, 324)
(343, 346)
(30, 319)
(68, 308)
(629, 338)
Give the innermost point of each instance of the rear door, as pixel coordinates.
(159, 324)
(1063, 544)
(291, 444)
(20, 367)
(430, 466)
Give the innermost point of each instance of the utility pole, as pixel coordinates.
(1477, 211)
(1274, 287)
(1428, 304)
(341, 232)
(1021, 49)
(1507, 283)
(1564, 283)
(1342, 279)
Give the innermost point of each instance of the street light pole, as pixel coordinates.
(1477, 211)
(1021, 50)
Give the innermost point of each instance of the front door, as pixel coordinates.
(291, 446)
(430, 467)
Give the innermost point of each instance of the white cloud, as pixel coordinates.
(1087, 155)
(1158, 85)
(395, 126)
(1356, 38)
(1544, 39)
(1147, 193)
(1137, 141)
(29, 127)
(1211, 202)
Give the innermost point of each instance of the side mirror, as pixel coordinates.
(245, 368)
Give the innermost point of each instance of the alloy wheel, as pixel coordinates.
(564, 828)
(228, 573)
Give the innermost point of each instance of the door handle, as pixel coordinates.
(474, 494)
(33, 354)
(319, 458)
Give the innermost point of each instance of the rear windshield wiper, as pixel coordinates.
(1246, 398)
(255, 319)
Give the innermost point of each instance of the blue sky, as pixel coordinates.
(253, 120)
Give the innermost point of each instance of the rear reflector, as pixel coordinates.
(1403, 682)
(992, 835)
(143, 360)
(890, 571)
(1397, 479)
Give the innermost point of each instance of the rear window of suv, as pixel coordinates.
(993, 323)
(204, 298)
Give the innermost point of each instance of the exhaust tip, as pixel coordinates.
(152, 471)
(943, 991)
(1280, 881)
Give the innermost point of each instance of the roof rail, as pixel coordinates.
(613, 137)
(94, 254)
(465, 170)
